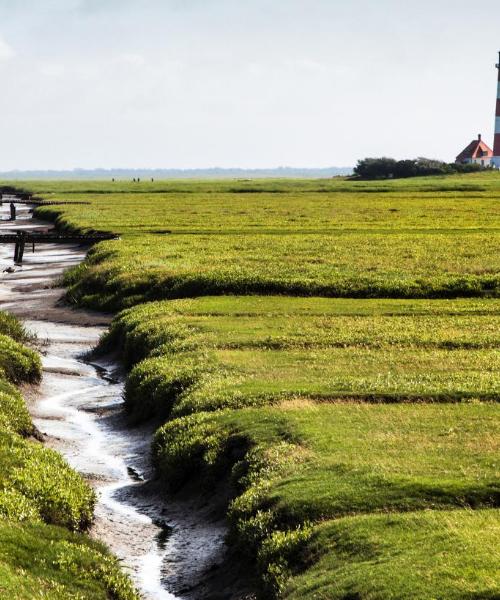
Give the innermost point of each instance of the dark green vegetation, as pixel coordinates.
(359, 433)
(388, 168)
(43, 502)
(431, 238)
(43, 561)
(17, 362)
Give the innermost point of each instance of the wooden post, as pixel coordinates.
(12, 211)
(19, 250)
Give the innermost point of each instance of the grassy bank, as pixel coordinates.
(343, 459)
(138, 269)
(308, 460)
(434, 238)
(214, 353)
(307, 476)
(43, 502)
(431, 554)
(357, 429)
(44, 561)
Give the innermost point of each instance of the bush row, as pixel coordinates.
(389, 168)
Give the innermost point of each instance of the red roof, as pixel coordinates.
(476, 149)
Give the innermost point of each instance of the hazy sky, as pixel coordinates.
(199, 83)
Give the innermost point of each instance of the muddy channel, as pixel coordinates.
(173, 548)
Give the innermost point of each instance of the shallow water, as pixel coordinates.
(168, 547)
(78, 404)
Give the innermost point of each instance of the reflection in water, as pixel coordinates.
(164, 535)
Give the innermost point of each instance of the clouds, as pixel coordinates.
(52, 70)
(130, 59)
(185, 83)
(6, 51)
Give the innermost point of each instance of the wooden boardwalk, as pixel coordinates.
(34, 201)
(22, 237)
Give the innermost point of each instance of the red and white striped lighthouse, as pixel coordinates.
(495, 161)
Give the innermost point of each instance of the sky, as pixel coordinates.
(242, 83)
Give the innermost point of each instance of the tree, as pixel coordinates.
(387, 168)
(375, 168)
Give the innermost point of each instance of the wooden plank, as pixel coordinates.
(10, 238)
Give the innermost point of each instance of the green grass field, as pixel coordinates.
(233, 352)
(305, 471)
(330, 349)
(386, 557)
(351, 458)
(316, 455)
(418, 239)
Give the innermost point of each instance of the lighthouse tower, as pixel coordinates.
(495, 161)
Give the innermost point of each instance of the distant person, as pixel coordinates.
(133, 179)
(12, 211)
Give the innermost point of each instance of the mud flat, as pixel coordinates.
(172, 548)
